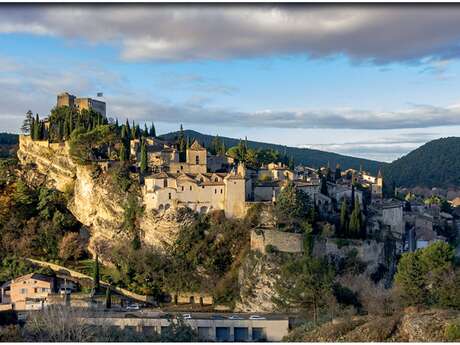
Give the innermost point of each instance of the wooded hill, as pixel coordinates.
(434, 164)
(309, 157)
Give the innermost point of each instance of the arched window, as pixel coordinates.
(216, 179)
(197, 159)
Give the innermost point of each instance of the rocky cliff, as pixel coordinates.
(94, 200)
(256, 280)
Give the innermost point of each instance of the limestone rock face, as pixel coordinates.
(51, 161)
(256, 279)
(95, 202)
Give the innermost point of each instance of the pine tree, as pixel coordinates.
(145, 133)
(27, 124)
(96, 277)
(143, 164)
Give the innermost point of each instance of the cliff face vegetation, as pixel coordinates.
(411, 325)
(99, 199)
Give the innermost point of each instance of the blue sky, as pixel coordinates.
(374, 81)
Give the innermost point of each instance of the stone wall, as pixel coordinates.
(368, 251)
(283, 241)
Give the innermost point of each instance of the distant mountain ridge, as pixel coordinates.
(309, 157)
(434, 164)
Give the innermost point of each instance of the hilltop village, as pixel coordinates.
(177, 222)
(184, 173)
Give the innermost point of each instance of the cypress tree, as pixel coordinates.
(96, 277)
(37, 128)
(128, 129)
(153, 133)
(66, 127)
(355, 220)
(108, 297)
(143, 164)
(352, 196)
(324, 186)
(133, 131)
(338, 172)
(32, 129)
(146, 131)
(344, 217)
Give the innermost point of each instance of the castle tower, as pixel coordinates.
(377, 188)
(235, 195)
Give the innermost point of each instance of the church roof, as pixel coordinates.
(196, 146)
(160, 175)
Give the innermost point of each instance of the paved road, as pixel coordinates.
(202, 316)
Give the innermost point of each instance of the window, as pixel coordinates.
(169, 195)
(23, 291)
(182, 188)
(190, 187)
(181, 167)
(45, 290)
(221, 191)
(215, 191)
(197, 159)
(216, 180)
(165, 182)
(35, 290)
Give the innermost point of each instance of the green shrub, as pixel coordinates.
(452, 331)
(270, 248)
(342, 242)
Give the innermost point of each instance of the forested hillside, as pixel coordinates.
(435, 164)
(313, 158)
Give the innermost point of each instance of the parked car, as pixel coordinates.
(217, 317)
(64, 291)
(236, 317)
(186, 316)
(256, 317)
(133, 306)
